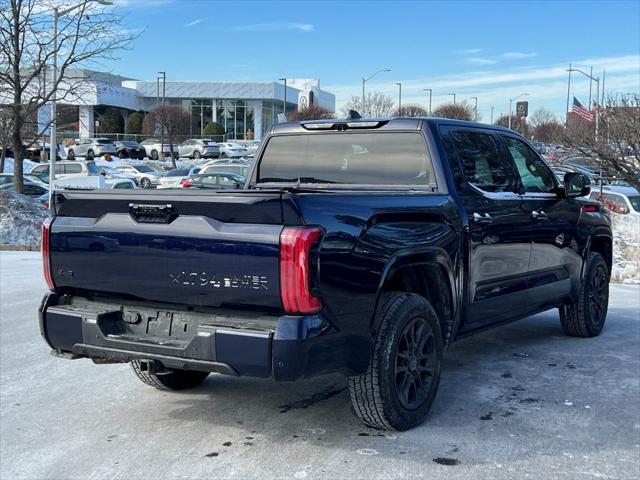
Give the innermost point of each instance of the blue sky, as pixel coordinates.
(492, 50)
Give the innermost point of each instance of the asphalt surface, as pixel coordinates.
(522, 401)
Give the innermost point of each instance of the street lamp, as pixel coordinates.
(430, 94)
(454, 97)
(491, 121)
(510, 103)
(284, 101)
(399, 98)
(475, 111)
(365, 80)
(597, 80)
(53, 149)
(163, 76)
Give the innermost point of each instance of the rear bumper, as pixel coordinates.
(283, 348)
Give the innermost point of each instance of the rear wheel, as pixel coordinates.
(90, 155)
(154, 155)
(174, 380)
(145, 183)
(71, 155)
(197, 154)
(122, 154)
(585, 317)
(404, 371)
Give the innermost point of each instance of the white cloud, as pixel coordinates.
(518, 55)
(468, 51)
(274, 26)
(195, 22)
(482, 61)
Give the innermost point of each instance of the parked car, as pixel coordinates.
(367, 264)
(215, 181)
(112, 173)
(129, 149)
(617, 199)
(239, 167)
(199, 148)
(174, 178)
(66, 168)
(232, 150)
(252, 147)
(120, 184)
(152, 148)
(31, 186)
(144, 176)
(90, 148)
(34, 152)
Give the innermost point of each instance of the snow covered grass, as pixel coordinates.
(20, 219)
(626, 248)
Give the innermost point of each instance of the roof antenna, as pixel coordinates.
(353, 115)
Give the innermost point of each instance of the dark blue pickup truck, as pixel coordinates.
(359, 246)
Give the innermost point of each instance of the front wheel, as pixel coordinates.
(145, 182)
(71, 155)
(398, 389)
(586, 315)
(154, 155)
(90, 155)
(197, 155)
(174, 380)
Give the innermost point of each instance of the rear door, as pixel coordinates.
(499, 236)
(553, 222)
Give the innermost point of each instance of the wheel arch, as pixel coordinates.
(428, 273)
(601, 241)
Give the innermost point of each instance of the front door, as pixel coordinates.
(499, 226)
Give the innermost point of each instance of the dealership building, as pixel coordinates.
(244, 109)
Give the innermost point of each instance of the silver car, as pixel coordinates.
(199, 148)
(144, 176)
(232, 150)
(174, 178)
(152, 148)
(91, 148)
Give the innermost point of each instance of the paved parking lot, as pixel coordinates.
(523, 401)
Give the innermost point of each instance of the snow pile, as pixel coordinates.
(626, 248)
(20, 219)
(26, 166)
(157, 165)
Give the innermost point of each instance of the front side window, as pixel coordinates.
(535, 176)
(395, 158)
(481, 162)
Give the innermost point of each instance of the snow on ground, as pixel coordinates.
(626, 248)
(8, 165)
(20, 219)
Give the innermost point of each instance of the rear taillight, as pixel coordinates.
(590, 208)
(296, 244)
(46, 252)
(186, 183)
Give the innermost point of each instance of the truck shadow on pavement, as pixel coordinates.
(521, 381)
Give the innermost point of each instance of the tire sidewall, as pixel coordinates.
(595, 261)
(145, 182)
(415, 306)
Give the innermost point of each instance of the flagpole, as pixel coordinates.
(568, 92)
(591, 87)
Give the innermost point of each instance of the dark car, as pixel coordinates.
(129, 149)
(357, 246)
(214, 180)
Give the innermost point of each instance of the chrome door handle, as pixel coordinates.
(482, 219)
(539, 215)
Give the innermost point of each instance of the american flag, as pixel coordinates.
(579, 110)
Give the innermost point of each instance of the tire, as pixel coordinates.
(586, 316)
(378, 396)
(223, 155)
(122, 154)
(176, 380)
(145, 182)
(90, 155)
(197, 155)
(71, 155)
(154, 155)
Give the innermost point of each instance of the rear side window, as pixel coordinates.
(72, 168)
(482, 164)
(395, 158)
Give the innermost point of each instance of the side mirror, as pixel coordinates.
(576, 185)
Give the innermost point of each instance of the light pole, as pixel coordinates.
(284, 100)
(597, 80)
(454, 97)
(53, 148)
(399, 98)
(491, 121)
(511, 102)
(365, 80)
(430, 94)
(163, 76)
(475, 111)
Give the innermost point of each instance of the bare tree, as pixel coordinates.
(542, 116)
(458, 111)
(312, 112)
(617, 145)
(377, 105)
(518, 124)
(86, 36)
(410, 110)
(173, 119)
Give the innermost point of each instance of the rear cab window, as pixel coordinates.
(353, 158)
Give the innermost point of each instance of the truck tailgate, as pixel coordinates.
(197, 250)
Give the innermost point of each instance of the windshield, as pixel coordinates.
(127, 143)
(394, 158)
(103, 141)
(635, 202)
(144, 169)
(179, 172)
